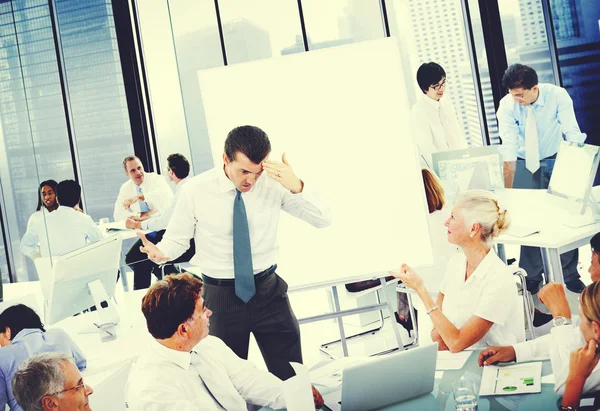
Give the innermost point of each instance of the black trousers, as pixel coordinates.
(531, 257)
(268, 315)
(143, 267)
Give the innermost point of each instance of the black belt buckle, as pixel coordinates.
(230, 282)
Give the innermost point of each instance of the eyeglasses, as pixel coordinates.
(75, 388)
(520, 96)
(437, 87)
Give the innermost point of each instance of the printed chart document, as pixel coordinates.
(116, 226)
(448, 361)
(513, 379)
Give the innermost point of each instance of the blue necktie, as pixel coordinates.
(242, 251)
(143, 205)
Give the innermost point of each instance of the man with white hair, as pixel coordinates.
(50, 382)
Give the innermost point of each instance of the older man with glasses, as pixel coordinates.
(51, 382)
(533, 119)
(434, 126)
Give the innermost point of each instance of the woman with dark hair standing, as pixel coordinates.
(47, 203)
(22, 335)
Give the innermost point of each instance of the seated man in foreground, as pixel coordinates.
(51, 382)
(184, 368)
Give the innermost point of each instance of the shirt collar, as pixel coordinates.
(541, 100)
(483, 267)
(225, 183)
(180, 358)
(24, 333)
(435, 104)
(181, 183)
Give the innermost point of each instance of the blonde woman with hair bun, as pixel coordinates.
(477, 305)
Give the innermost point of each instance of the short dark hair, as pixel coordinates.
(68, 193)
(248, 140)
(170, 302)
(429, 74)
(179, 164)
(595, 243)
(50, 183)
(17, 318)
(128, 159)
(519, 76)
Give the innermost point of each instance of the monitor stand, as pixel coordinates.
(99, 294)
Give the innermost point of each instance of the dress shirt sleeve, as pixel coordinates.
(534, 350)
(307, 206)
(509, 131)
(78, 356)
(422, 137)
(4, 393)
(163, 397)
(92, 231)
(30, 242)
(566, 339)
(456, 134)
(159, 221)
(160, 195)
(182, 226)
(566, 118)
(119, 212)
(255, 386)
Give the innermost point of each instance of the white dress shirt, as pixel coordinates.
(163, 379)
(557, 346)
(161, 220)
(443, 250)
(489, 293)
(554, 116)
(435, 128)
(60, 232)
(204, 212)
(157, 194)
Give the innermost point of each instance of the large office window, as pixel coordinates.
(577, 32)
(34, 142)
(63, 111)
(96, 96)
(434, 31)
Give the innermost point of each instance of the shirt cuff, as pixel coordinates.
(523, 351)
(562, 332)
(145, 225)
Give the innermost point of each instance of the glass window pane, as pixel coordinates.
(198, 46)
(577, 31)
(335, 22)
(99, 114)
(439, 36)
(257, 30)
(34, 143)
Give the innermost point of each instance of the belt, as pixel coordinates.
(230, 282)
(552, 157)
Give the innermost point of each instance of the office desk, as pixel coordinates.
(441, 397)
(540, 210)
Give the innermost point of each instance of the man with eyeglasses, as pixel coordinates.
(51, 382)
(434, 126)
(533, 119)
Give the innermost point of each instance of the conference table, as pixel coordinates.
(538, 210)
(441, 397)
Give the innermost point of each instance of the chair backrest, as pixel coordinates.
(528, 305)
(109, 395)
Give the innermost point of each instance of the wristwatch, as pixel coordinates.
(566, 407)
(558, 321)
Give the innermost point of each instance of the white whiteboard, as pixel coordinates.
(342, 117)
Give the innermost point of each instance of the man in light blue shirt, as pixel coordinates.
(533, 120)
(22, 336)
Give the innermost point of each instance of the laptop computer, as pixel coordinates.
(385, 380)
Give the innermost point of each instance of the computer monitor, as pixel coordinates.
(84, 278)
(573, 176)
(471, 168)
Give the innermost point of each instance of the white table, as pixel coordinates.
(537, 208)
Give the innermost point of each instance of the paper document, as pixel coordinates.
(522, 231)
(333, 400)
(330, 375)
(298, 390)
(513, 379)
(117, 225)
(448, 361)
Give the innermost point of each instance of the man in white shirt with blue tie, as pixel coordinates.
(142, 196)
(233, 215)
(533, 119)
(185, 369)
